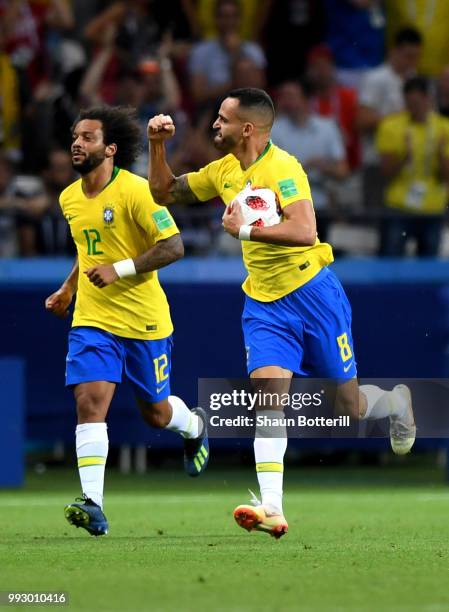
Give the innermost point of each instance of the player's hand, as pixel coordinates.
(233, 219)
(160, 127)
(58, 302)
(101, 276)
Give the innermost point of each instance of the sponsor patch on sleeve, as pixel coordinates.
(163, 219)
(288, 188)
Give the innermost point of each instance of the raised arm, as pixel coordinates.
(164, 186)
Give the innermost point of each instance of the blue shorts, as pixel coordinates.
(307, 331)
(95, 354)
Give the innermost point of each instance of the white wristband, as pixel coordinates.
(245, 232)
(125, 267)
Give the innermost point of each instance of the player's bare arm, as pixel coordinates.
(164, 186)
(58, 302)
(298, 227)
(160, 255)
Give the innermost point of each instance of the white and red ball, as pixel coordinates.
(259, 206)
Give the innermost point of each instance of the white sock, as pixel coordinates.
(381, 404)
(269, 455)
(92, 450)
(183, 421)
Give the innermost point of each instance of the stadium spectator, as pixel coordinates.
(211, 61)
(381, 91)
(381, 95)
(8, 242)
(200, 14)
(9, 105)
(414, 149)
(246, 73)
(151, 88)
(431, 19)
(355, 33)
(330, 99)
(292, 28)
(160, 93)
(139, 26)
(315, 142)
(42, 229)
(442, 93)
(31, 29)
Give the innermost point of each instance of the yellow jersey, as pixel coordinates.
(121, 222)
(417, 187)
(273, 270)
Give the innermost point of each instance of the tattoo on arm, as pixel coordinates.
(180, 191)
(161, 254)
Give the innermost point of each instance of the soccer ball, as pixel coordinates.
(260, 206)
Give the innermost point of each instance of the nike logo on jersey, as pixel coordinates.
(159, 389)
(345, 369)
(227, 185)
(70, 217)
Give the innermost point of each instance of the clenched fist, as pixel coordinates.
(102, 275)
(160, 127)
(58, 302)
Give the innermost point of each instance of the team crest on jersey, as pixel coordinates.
(108, 214)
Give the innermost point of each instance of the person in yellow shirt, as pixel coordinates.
(121, 323)
(296, 317)
(430, 18)
(414, 150)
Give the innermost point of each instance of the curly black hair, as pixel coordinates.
(121, 127)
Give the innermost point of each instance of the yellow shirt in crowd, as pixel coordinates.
(417, 187)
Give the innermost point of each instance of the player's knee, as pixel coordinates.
(89, 407)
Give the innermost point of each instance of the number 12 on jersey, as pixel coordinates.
(92, 238)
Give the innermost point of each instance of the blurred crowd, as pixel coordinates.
(361, 89)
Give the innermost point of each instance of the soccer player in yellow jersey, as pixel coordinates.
(296, 316)
(121, 322)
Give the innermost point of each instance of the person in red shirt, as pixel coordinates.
(333, 100)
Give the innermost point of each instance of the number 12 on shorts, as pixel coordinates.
(160, 365)
(345, 349)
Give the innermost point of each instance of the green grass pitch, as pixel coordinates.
(359, 540)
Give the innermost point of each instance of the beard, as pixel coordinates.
(89, 163)
(224, 143)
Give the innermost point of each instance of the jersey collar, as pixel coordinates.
(264, 152)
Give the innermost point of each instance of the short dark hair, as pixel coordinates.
(407, 36)
(121, 127)
(254, 99)
(417, 83)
